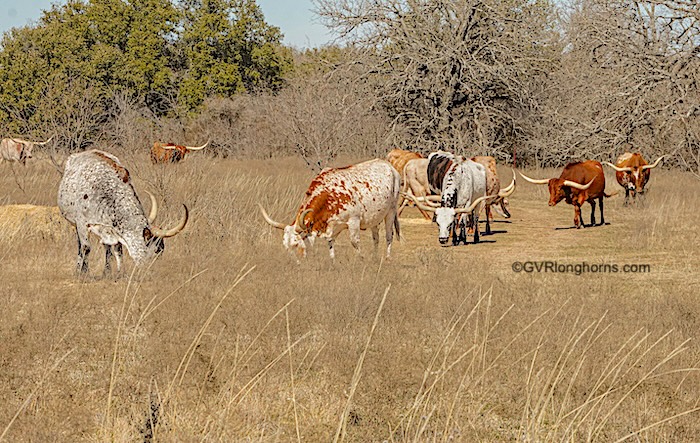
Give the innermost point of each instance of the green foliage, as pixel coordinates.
(162, 53)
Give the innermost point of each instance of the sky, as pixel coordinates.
(294, 17)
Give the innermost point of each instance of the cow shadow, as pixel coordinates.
(585, 226)
(494, 231)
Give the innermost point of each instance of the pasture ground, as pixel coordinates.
(226, 338)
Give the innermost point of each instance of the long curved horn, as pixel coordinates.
(170, 147)
(618, 169)
(578, 185)
(197, 148)
(508, 190)
(536, 181)
(300, 223)
(154, 209)
(656, 163)
(43, 143)
(419, 204)
(267, 218)
(162, 233)
(474, 203)
(428, 201)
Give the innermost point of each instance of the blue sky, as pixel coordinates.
(299, 25)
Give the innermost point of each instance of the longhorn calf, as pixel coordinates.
(578, 183)
(355, 197)
(632, 173)
(97, 196)
(17, 150)
(171, 153)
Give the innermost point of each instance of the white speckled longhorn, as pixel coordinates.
(96, 195)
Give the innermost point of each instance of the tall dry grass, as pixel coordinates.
(226, 338)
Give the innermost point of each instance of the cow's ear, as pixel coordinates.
(147, 234)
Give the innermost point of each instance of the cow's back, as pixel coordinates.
(493, 183)
(96, 189)
(10, 150)
(438, 165)
(368, 190)
(398, 158)
(583, 172)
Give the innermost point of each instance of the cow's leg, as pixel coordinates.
(390, 221)
(455, 226)
(475, 217)
(627, 197)
(488, 220)
(403, 204)
(466, 221)
(592, 202)
(108, 259)
(331, 247)
(118, 253)
(375, 238)
(354, 231)
(602, 216)
(83, 250)
(577, 215)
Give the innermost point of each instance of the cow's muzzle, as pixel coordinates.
(443, 240)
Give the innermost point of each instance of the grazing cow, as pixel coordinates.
(171, 153)
(399, 157)
(96, 195)
(354, 197)
(463, 191)
(493, 187)
(632, 173)
(16, 150)
(579, 182)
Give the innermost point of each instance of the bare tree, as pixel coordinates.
(455, 74)
(629, 76)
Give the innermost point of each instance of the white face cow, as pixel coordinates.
(463, 191)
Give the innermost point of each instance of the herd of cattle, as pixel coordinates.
(96, 195)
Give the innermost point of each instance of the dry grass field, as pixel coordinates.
(225, 338)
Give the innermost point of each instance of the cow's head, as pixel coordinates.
(177, 153)
(26, 148)
(501, 205)
(444, 216)
(298, 237)
(634, 176)
(153, 236)
(559, 188)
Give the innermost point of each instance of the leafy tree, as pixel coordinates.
(151, 50)
(229, 49)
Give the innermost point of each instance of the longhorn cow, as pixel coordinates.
(462, 193)
(171, 153)
(415, 182)
(632, 173)
(579, 182)
(493, 187)
(96, 195)
(17, 150)
(400, 157)
(355, 197)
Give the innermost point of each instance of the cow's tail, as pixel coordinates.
(610, 195)
(397, 227)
